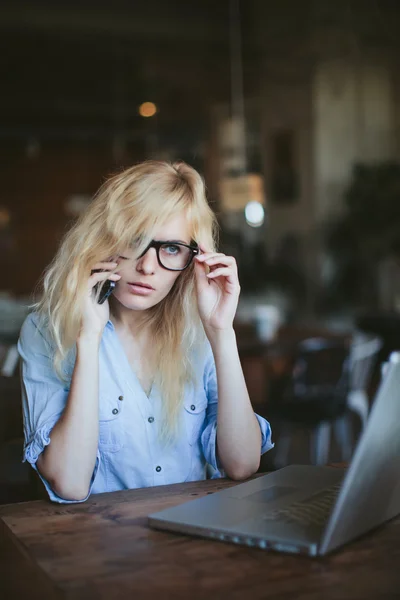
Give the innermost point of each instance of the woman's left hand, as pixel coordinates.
(217, 291)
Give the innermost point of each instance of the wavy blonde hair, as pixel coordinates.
(131, 205)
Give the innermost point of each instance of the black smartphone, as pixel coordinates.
(106, 290)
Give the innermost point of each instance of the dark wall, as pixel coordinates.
(35, 190)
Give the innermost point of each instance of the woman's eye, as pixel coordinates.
(171, 249)
(123, 257)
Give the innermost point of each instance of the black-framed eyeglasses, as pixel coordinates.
(173, 256)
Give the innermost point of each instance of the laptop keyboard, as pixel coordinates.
(314, 510)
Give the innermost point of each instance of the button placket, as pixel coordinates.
(195, 414)
(115, 411)
(111, 432)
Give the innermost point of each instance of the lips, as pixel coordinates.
(146, 286)
(140, 289)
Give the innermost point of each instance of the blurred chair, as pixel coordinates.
(363, 358)
(314, 396)
(386, 326)
(16, 481)
(8, 359)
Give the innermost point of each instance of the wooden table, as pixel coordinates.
(104, 549)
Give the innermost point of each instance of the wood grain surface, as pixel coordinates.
(104, 549)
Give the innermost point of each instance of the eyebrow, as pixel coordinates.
(173, 242)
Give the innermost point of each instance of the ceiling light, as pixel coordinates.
(147, 109)
(254, 213)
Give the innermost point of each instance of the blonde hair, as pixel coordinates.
(131, 205)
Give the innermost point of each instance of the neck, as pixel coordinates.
(127, 319)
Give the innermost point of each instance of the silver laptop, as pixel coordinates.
(307, 509)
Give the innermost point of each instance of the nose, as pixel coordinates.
(147, 263)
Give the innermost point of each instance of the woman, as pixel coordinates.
(145, 388)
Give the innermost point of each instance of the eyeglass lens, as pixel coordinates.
(174, 256)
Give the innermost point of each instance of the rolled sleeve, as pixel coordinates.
(209, 435)
(44, 397)
(37, 442)
(209, 446)
(266, 441)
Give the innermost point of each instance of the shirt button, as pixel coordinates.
(158, 469)
(193, 407)
(151, 419)
(115, 411)
(120, 397)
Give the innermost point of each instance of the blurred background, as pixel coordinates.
(291, 112)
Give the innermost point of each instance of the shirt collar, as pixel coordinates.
(110, 325)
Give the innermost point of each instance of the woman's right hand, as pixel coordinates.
(94, 315)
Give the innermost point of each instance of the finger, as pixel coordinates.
(223, 272)
(200, 277)
(223, 260)
(208, 255)
(203, 248)
(105, 265)
(102, 276)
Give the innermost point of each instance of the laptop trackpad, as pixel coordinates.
(270, 494)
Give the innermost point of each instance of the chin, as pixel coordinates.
(132, 302)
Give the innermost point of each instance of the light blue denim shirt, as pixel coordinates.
(129, 453)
